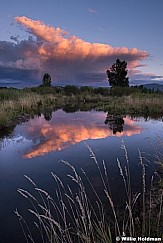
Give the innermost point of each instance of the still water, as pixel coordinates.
(36, 147)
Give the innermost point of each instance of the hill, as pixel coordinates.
(154, 86)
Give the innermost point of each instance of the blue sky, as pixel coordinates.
(129, 30)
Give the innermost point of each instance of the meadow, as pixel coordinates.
(17, 105)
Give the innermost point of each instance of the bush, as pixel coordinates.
(71, 89)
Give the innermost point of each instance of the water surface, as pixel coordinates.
(35, 148)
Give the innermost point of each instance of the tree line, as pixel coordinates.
(117, 78)
(117, 75)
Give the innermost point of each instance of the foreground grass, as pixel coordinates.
(72, 216)
(14, 104)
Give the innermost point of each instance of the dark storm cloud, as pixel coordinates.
(17, 74)
(66, 58)
(15, 38)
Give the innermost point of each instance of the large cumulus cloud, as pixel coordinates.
(67, 58)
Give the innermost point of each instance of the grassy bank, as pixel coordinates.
(16, 105)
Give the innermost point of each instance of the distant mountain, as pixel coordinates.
(154, 86)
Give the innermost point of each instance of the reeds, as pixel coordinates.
(73, 218)
(70, 216)
(15, 102)
(24, 103)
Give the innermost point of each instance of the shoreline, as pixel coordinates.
(17, 106)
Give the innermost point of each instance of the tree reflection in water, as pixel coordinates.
(59, 130)
(6, 133)
(115, 122)
(47, 115)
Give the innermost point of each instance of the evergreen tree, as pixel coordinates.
(46, 81)
(117, 74)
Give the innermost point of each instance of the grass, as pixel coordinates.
(16, 103)
(71, 215)
(12, 108)
(147, 105)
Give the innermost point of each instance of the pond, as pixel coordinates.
(36, 148)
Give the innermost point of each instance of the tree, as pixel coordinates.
(117, 74)
(46, 81)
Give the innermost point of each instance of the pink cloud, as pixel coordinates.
(58, 136)
(58, 44)
(67, 57)
(39, 29)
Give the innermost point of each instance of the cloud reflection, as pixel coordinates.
(61, 133)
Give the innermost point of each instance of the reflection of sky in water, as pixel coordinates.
(64, 130)
(39, 137)
(47, 142)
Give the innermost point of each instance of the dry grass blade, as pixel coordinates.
(71, 216)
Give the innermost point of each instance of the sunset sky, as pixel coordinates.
(77, 41)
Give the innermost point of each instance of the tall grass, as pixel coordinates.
(14, 103)
(11, 109)
(22, 103)
(73, 215)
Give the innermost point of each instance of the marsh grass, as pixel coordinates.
(145, 105)
(74, 215)
(24, 103)
(14, 102)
